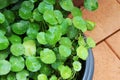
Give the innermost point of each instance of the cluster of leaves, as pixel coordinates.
(38, 41)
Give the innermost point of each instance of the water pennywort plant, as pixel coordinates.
(39, 42)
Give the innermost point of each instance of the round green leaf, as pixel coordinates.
(42, 7)
(90, 42)
(50, 17)
(17, 63)
(20, 27)
(32, 31)
(46, 69)
(56, 64)
(25, 13)
(4, 43)
(9, 15)
(64, 51)
(11, 76)
(53, 77)
(79, 23)
(17, 49)
(66, 4)
(53, 35)
(64, 27)
(47, 56)
(22, 75)
(28, 5)
(4, 54)
(2, 18)
(90, 25)
(50, 1)
(81, 41)
(42, 77)
(30, 48)
(91, 4)
(72, 32)
(41, 38)
(15, 39)
(82, 52)
(65, 41)
(37, 16)
(4, 3)
(32, 64)
(58, 16)
(65, 72)
(77, 65)
(5, 67)
(76, 12)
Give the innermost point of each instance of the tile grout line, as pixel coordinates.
(118, 1)
(108, 36)
(112, 49)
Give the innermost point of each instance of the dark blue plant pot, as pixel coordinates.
(89, 67)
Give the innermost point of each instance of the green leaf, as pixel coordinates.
(9, 15)
(4, 3)
(11, 76)
(82, 52)
(42, 7)
(32, 64)
(37, 16)
(4, 54)
(22, 75)
(65, 72)
(53, 77)
(72, 32)
(81, 41)
(90, 42)
(41, 38)
(47, 56)
(79, 23)
(66, 5)
(17, 49)
(13, 1)
(33, 1)
(17, 63)
(25, 14)
(2, 18)
(30, 48)
(4, 43)
(77, 65)
(76, 12)
(42, 77)
(53, 35)
(50, 17)
(46, 69)
(64, 26)
(28, 5)
(5, 67)
(58, 16)
(90, 25)
(32, 31)
(64, 51)
(20, 27)
(56, 64)
(91, 4)
(50, 1)
(15, 39)
(65, 41)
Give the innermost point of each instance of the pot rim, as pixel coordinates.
(89, 66)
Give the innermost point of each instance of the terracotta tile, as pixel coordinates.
(107, 65)
(114, 43)
(107, 19)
